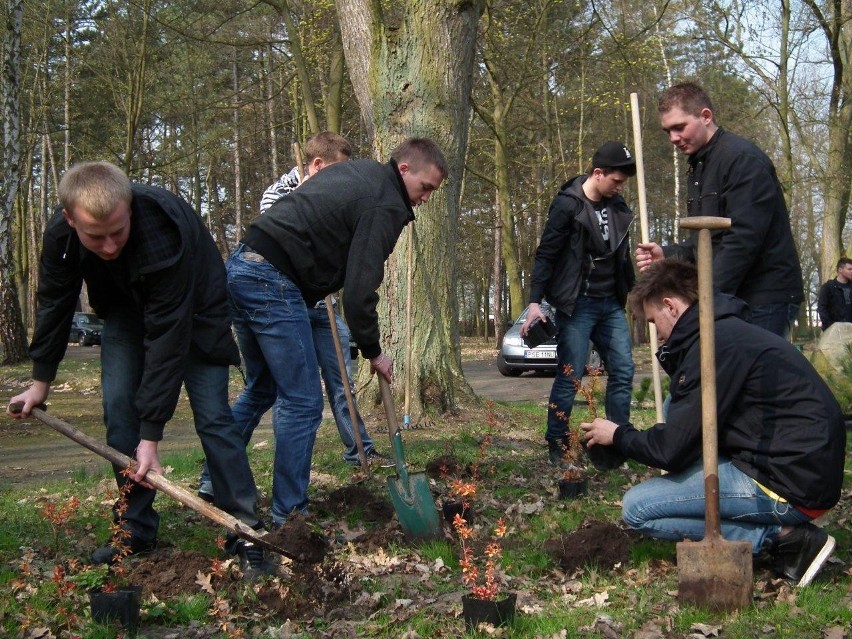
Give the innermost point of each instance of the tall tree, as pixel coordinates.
(411, 64)
(12, 333)
(834, 20)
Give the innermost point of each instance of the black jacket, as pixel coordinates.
(571, 242)
(336, 231)
(170, 270)
(777, 420)
(756, 259)
(831, 305)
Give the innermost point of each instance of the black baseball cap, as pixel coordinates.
(614, 155)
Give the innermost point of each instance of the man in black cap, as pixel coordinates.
(583, 269)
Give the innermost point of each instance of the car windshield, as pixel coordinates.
(90, 320)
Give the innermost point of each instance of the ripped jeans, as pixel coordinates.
(672, 507)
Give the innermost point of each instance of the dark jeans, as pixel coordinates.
(122, 363)
(775, 318)
(276, 341)
(601, 320)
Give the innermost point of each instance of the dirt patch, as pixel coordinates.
(372, 540)
(298, 591)
(356, 499)
(168, 573)
(443, 467)
(599, 543)
(303, 543)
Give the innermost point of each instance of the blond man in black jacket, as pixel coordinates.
(155, 276)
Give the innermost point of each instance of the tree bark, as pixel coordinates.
(12, 333)
(412, 68)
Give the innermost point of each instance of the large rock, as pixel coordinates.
(833, 348)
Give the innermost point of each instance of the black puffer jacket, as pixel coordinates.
(571, 242)
(336, 231)
(831, 304)
(778, 421)
(170, 271)
(756, 259)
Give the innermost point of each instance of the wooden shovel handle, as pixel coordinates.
(159, 482)
(347, 387)
(707, 340)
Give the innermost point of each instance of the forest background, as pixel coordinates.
(207, 99)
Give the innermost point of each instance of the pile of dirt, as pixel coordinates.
(299, 540)
(595, 543)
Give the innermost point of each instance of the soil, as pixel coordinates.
(596, 543)
(299, 540)
(355, 498)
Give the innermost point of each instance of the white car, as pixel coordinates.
(516, 357)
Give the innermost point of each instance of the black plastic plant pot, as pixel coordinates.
(120, 606)
(572, 488)
(499, 612)
(453, 508)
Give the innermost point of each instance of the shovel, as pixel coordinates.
(412, 500)
(347, 387)
(712, 573)
(159, 482)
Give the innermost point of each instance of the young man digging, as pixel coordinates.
(781, 435)
(155, 276)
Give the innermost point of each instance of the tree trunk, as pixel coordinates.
(412, 69)
(238, 182)
(12, 333)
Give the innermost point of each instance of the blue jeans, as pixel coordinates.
(122, 363)
(775, 318)
(672, 507)
(334, 388)
(602, 321)
(334, 384)
(276, 341)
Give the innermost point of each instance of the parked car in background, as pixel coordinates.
(516, 357)
(86, 329)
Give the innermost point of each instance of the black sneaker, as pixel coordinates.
(208, 497)
(253, 559)
(800, 554)
(109, 554)
(556, 449)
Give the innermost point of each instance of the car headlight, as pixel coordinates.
(513, 341)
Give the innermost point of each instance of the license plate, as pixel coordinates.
(538, 354)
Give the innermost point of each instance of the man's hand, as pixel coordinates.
(29, 399)
(533, 313)
(383, 366)
(147, 459)
(646, 254)
(600, 431)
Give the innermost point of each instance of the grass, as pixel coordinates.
(416, 592)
